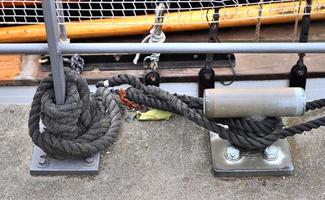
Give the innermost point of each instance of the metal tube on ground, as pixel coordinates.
(246, 102)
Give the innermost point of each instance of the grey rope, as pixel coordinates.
(89, 123)
(84, 125)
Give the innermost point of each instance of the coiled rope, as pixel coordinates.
(88, 123)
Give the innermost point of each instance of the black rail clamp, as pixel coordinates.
(207, 76)
(299, 72)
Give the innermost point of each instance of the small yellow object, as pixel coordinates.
(154, 115)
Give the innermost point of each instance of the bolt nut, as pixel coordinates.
(117, 58)
(43, 162)
(89, 160)
(232, 153)
(271, 153)
(300, 72)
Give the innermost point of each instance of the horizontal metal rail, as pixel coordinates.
(68, 48)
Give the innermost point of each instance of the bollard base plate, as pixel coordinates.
(250, 163)
(48, 166)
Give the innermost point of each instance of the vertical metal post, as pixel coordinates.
(53, 39)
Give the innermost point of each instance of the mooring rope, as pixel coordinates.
(88, 123)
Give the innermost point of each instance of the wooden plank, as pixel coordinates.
(249, 67)
(10, 67)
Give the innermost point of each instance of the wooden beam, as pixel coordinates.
(10, 66)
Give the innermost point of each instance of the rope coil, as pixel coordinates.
(89, 123)
(79, 128)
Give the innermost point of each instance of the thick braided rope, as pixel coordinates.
(246, 133)
(84, 125)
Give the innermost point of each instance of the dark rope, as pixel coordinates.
(84, 125)
(88, 123)
(246, 133)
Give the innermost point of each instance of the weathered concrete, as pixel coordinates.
(155, 160)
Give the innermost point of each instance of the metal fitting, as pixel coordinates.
(232, 153)
(246, 102)
(43, 162)
(89, 160)
(271, 153)
(156, 36)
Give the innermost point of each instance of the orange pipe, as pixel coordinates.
(10, 4)
(180, 21)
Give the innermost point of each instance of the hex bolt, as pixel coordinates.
(117, 58)
(43, 162)
(271, 153)
(89, 160)
(232, 153)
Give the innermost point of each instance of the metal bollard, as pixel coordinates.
(246, 102)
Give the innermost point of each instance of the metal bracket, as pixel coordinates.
(152, 78)
(206, 74)
(43, 165)
(298, 74)
(250, 163)
(206, 77)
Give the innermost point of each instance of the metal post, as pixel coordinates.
(53, 39)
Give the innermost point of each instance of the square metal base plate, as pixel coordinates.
(250, 164)
(50, 166)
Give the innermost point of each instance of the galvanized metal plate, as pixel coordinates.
(250, 164)
(50, 166)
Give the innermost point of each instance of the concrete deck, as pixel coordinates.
(155, 160)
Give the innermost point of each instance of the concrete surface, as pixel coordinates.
(155, 160)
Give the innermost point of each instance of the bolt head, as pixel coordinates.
(207, 76)
(43, 162)
(271, 152)
(89, 160)
(232, 153)
(300, 73)
(117, 58)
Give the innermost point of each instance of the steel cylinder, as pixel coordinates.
(246, 102)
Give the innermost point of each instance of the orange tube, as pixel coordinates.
(10, 4)
(274, 13)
